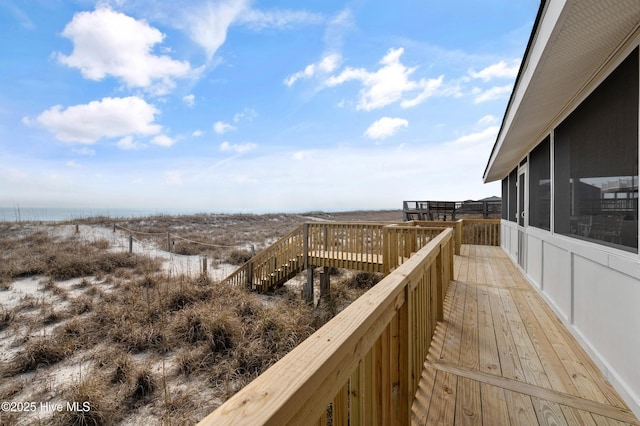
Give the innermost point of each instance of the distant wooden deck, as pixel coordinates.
(502, 357)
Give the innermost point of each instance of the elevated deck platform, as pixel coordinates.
(501, 356)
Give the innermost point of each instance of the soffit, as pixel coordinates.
(585, 34)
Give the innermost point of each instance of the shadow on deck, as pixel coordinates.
(501, 356)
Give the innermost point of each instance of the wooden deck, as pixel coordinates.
(502, 357)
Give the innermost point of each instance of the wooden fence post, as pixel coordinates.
(459, 229)
(204, 264)
(440, 284)
(386, 256)
(405, 361)
(168, 242)
(325, 282)
(130, 243)
(307, 290)
(249, 275)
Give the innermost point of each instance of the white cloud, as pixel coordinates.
(220, 127)
(189, 100)
(389, 84)
(22, 18)
(325, 66)
(430, 87)
(163, 140)
(487, 119)
(108, 43)
(173, 178)
(237, 148)
(336, 29)
(492, 93)
(72, 164)
(331, 59)
(300, 155)
(84, 151)
(107, 118)
(197, 133)
(279, 18)
(499, 70)
(385, 127)
(208, 23)
(484, 137)
(247, 114)
(128, 144)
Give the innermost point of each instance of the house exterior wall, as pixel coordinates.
(595, 291)
(593, 287)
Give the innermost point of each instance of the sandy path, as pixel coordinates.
(174, 264)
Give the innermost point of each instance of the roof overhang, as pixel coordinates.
(571, 43)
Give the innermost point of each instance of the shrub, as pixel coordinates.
(238, 257)
(97, 405)
(37, 353)
(6, 317)
(363, 280)
(143, 387)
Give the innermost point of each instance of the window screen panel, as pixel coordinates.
(513, 195)
(596, 163)
(540, 186)
(505, 198)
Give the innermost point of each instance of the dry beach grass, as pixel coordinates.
(82, 320)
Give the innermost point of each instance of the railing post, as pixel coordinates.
(325, 228)
(307, 291)
(325, 282)
(440, 284)
(405, 385)
(305, 244)
(459, 228)
(386, 250)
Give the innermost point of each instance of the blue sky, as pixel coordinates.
(254, 106)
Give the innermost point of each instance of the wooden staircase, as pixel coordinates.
(370, 247)
(273, 266)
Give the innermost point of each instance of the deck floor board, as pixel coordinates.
(501, 356)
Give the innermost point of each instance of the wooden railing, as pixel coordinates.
(430, 210)
(455, 225)
(280, 259)
(370, 247)
(483, 232)
(365, 363)
(346, 245)
(468, 231)
(401, 242)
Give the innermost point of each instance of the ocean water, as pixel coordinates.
(58, 214)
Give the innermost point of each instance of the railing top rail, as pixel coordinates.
(264, 252)
(436, 227)
(308, 377)
(487, 221)
(347, 223)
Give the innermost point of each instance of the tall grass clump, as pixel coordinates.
(98, 405)
(38, 352)
(213, 339)
(40, 254)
